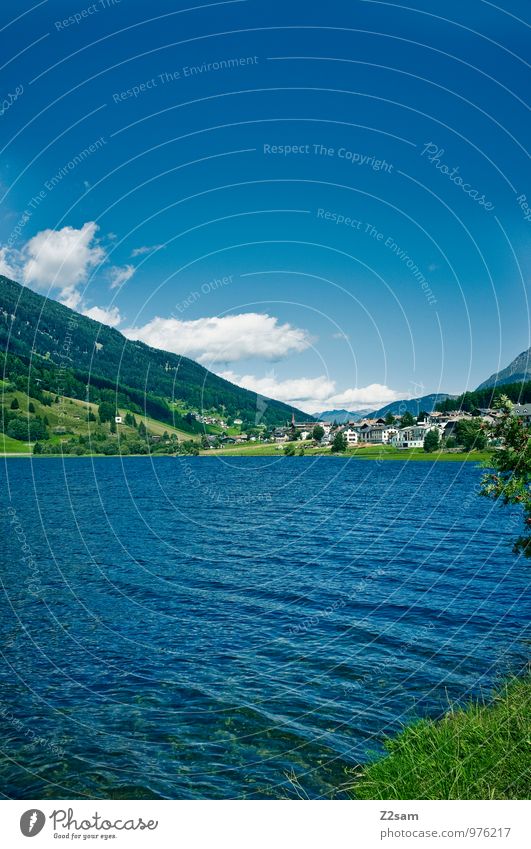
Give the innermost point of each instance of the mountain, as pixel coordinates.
(519, 371)
(83, 354)
(412, 405)
(340, 416)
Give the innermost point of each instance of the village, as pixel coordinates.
(398, 431)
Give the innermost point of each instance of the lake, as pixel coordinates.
(202, 627)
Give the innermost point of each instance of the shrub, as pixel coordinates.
(318, 433)
(431, 441)
(470, 434)
(339, 443)
(511, 479)
(27, 429)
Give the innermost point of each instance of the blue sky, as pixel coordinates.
(320, 201)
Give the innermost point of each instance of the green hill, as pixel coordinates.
(75, 356)
(518, 393)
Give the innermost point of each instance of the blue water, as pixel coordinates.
(243, 627)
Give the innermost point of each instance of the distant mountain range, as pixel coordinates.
(82, 353)
(341, 416)
(412, 405)
(518, 371)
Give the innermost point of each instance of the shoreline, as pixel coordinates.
(478, 456)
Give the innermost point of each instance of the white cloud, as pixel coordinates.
(8, 263)
(373, 395)
(145, 249)
(226, 339)
(314, 393)
(70, 297)
(120, 274)
(62, 258)
(295, 391)
(109, 316)
(57, 259)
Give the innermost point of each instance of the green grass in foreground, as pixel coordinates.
(479, 752)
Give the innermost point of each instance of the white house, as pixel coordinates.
(376, 434)
(414, 436)
(350, 435)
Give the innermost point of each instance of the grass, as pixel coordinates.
(369, 452)
(158, 428)
(477, 752)
(14, 446)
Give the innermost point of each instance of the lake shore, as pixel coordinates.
(416, 455)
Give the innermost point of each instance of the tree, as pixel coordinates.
(142, 431)
(339, 443)
(470, 433)
(389, 418)
(422, 416)
(511, 480)
(113, 425)
(407, 419)
(318, 432)
(27, 429)
(289, 450)
(138, 448)
(109, 448)
(31, 407)
(106, 411)
(14, 404)
(431, 441)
